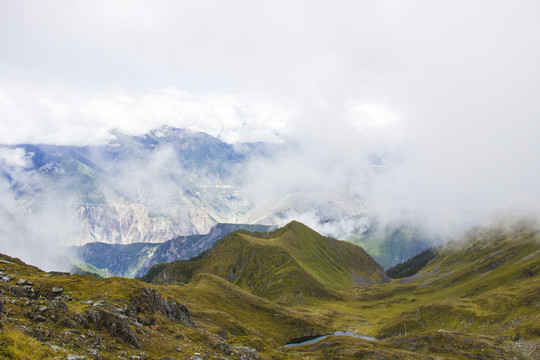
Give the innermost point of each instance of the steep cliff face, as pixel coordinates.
(149, 188)
(126, 223)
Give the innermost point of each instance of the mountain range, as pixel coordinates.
(168, 184)
(150, 188)
(256, 295)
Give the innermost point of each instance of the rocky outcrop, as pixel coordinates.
(116, 324)
(150, 301)
(119, 320)
(44, 304)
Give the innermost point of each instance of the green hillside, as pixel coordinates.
(485, 282)
(62, 316)
(477, 298)
(289, 264)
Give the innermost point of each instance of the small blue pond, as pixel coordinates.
(337, 333)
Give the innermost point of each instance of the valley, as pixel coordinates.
(478, 297)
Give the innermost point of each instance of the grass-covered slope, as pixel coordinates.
(55, 315)
(479, 297)
(486, 283)
(290, 263)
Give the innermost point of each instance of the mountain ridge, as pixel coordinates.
(133, 260)
(292, 263)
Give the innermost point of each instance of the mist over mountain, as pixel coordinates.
(148, 188)
(145, 137)
(422, 113)
(172, 182)
(158, 186)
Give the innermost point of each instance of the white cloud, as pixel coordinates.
(62, 115)
(451, 88)
(14, 157)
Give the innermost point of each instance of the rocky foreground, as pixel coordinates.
(107, 320)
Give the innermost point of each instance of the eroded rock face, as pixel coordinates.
(117, 325)
(119, 320)
(44, 305)
(149, 300)
(26, 292)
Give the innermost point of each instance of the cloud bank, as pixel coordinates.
(421, 106)
(65, 115)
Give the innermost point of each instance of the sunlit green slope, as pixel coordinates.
(291, 263)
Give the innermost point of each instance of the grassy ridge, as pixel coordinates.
(289, 265)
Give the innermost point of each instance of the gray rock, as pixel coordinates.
(247, 353)
(63, 298)
(57, 290)
(57, 348)
(75, 357)
(35, 317)
(24, 282)
(100, 303)
(23, 292)
(115, 324)
(149, 300)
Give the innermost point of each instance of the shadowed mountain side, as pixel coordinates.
(134, 260)
(288, 265)
(411, 266)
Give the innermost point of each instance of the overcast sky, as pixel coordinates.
(451, 87)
